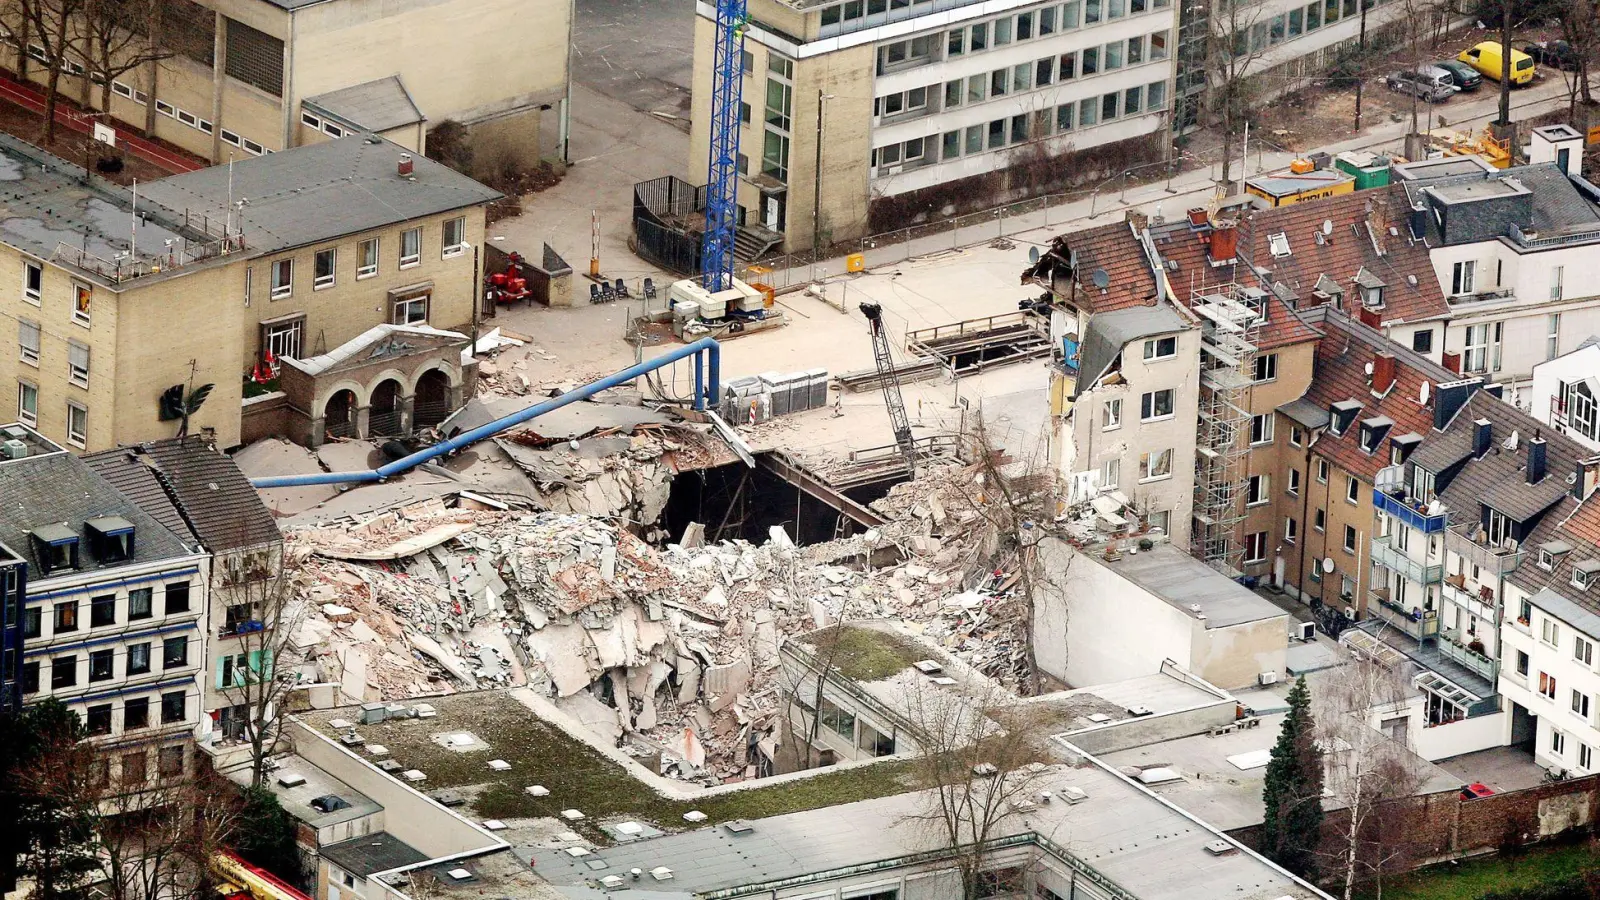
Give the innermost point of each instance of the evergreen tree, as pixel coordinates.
(52, 837)
(268, 836)
(1293, 790)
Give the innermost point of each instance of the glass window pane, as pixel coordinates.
(1070, 14)
(1069, 66)
(1108, 107)
(1047, 21)
(1131, 100)
(1158, 45)
(1044, 72)
(1113, 59)
(1022, 77)
(975, 86)
(952, 145)
(1156, 95)
(1019, 128)
(1297, 22)
(999, 80)
(997, 134)
(1002, 31)
(1313, 16)
(980, 37)
(975, 139)
(1135, 50)
(952, 93)
(1091, 12)
(1116, 9)
(1064, 116)
(1089, 112)
(1091, 60)
(956, 43)
(1025, 26)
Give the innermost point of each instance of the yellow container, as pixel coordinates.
(855, 262)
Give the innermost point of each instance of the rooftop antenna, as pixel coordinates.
(133, 224)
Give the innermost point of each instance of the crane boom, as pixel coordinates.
(890, 379)
(722, 180)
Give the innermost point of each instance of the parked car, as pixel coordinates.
(1489, 59)
(1465, 77)
(1433, 86)
(1555, 54)
(1475, 791)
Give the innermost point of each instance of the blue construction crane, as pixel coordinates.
(722, 182)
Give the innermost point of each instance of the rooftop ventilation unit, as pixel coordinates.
(14, 449)
(929, 667)
(1267, 678)
(1073, 795)
(1220, 848)
(291, 779)
(661, 873)
(612, 881)
(460, 874)
(1308, 631)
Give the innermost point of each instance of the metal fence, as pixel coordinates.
(655, 202)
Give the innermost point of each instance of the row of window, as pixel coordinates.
(1026, 76)
(1153, 466)
(136, 716)
(30, 348)
(66, 616)
(33, 293)
(188, 118)
(132, 766)
(326, 126)
(77, 414)
(64, 669)
(325, 265)
(1020, 128)
(1039, 23)
(1289, 25)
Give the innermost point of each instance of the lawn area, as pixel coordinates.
(1471, 880)
(576, 775)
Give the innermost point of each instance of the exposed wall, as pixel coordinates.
(1233, 657)
(1140, 732)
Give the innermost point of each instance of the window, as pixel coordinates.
(1585, 757)
(1259, 489)
(282, 278)
(1266, 367)
(1322, 471)
(32, 282)
(1547, 686)
(1294, 482)
(78, 363)
(1155, 465)
(282, 338)
(1558, 742)
(999, 82)
(1068, 69)
(169, 760)
(840, 721)
(1089, 110)
(455, 230)
(100, 665)
(1255, 547)
(177, 597)
(1025, 26)
(175, 652)
(1160, 348)
(1552, 338)
(138, 658)
(1091, 60)
(1522, 663)
(28, 341)
(1045, 71)
(1111, 414)
(30, 677)
(1550, 632)
(1352, 488)
(1071, 15)
(1113, 56)
(139, 606)
(1580, 579)
(1002, 31)
(1047, 21)
(63, 671)
(1499, 528)
(1111, 473)
(951, 145)
(1136, 53)
(367, 259)
(980, 37)
(66, 617)
(1349, 539)
(410, 247)
(1580, 704)
(32, 622)
(324, 270)
(136, 714)
(27, 403)
(98, 720)
(1108, 107)
(1262, 428)
(1583, 650)
(1422, 341)
(1156, 405)
(82, 300)
(955, 43)
(1482, 350)
(1291, 529)
(410, 308)
(1064, 116)
(172, 707)
(103, 611)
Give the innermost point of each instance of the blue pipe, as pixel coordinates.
(704, 394)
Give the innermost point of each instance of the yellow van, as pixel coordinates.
(1488, 59)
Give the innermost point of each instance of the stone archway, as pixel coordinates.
(432, 398)
(339, 414)
(386, 412)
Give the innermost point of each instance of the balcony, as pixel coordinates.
(1402, 619)
(1497, 561)
(1477, 298)
(1410, 511)
(1478, 663)
(1396, 560)
(245, 626)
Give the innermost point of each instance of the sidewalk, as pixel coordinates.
(32, 100)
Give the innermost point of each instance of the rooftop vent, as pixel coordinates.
(1137, 711)
(460, 874)
(1220, 848)
(328, 803)
(291, 779)
(661, 873)
(612, 881)
(738, 826)
(1074, 795)
(928, 667)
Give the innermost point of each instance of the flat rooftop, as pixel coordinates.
(296, 799)
(1186, 582)
(1477, 190)
(369, 854)
(1443, 167)
(1160, 694)
(1121, 831)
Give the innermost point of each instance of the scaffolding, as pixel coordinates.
(1231, 317)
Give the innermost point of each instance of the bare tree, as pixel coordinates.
(975, 775)
(1236, 40)
(262, 614)
(1580, 27)
(53, 28)
(1367, 770)
(114, 37)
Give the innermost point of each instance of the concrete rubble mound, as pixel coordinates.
(675, 649)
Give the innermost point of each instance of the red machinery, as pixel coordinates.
(509, 286)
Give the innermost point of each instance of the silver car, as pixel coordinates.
(1429, 83)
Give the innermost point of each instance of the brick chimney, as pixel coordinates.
(1536, 459)
(1385, 369)
(405, 165)
(1224, 244)
(1370, 317)
(1452, 361)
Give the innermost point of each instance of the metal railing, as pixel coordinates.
(1478, 663)
(1400, 618)
(1396, 560)
(1496, 560)
(1409, 511)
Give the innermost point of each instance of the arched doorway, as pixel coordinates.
(432, 400)
(339, 415)
(383, 414)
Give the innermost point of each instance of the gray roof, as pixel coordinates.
(1185, 582)
(189, 480)
(1305, 412)
(1556, 203)
(60, 490)
(319, 192)
(376, 852)
(1109, 332)
(1578, 616)
(378, 105)
(1122, 831)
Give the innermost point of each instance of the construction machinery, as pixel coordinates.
(509, 286)
(236, 878)
(898, 420)
(722, 181)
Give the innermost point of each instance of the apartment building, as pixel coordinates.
(1564, 393)
(115, 615)
(13, 592)
(219, 274)
(910, 106)
(1548, 634)
(199, 494)
(245, 77)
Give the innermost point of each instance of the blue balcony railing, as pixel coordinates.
(1410, 512)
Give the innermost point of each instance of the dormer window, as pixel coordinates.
(1401, 448)
(1341, 415)
(1373, 431)
(1550, 554)
(56, 547)
(1329, 291)
(1371, 288)
(1585, 574)
(1499, 526)
(110, 538)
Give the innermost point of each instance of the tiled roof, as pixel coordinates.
(202, 486)
(142, 485)
(1345, 350)
(1115, 250)
(1576, 524)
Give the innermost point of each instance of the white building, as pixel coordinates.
(1565, 393)
(114, 624)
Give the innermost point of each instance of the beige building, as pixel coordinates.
(245, 77)
(117, 311)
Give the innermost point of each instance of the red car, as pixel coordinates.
(1476, 790)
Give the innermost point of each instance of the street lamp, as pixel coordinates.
(816, 181)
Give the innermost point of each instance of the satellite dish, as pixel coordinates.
(1033, 255)
(1328, 565)
(1511, 442)
(1368, 368)
(1327, 227)
(1422, 394)
(1411, 280)
(1101, 279)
